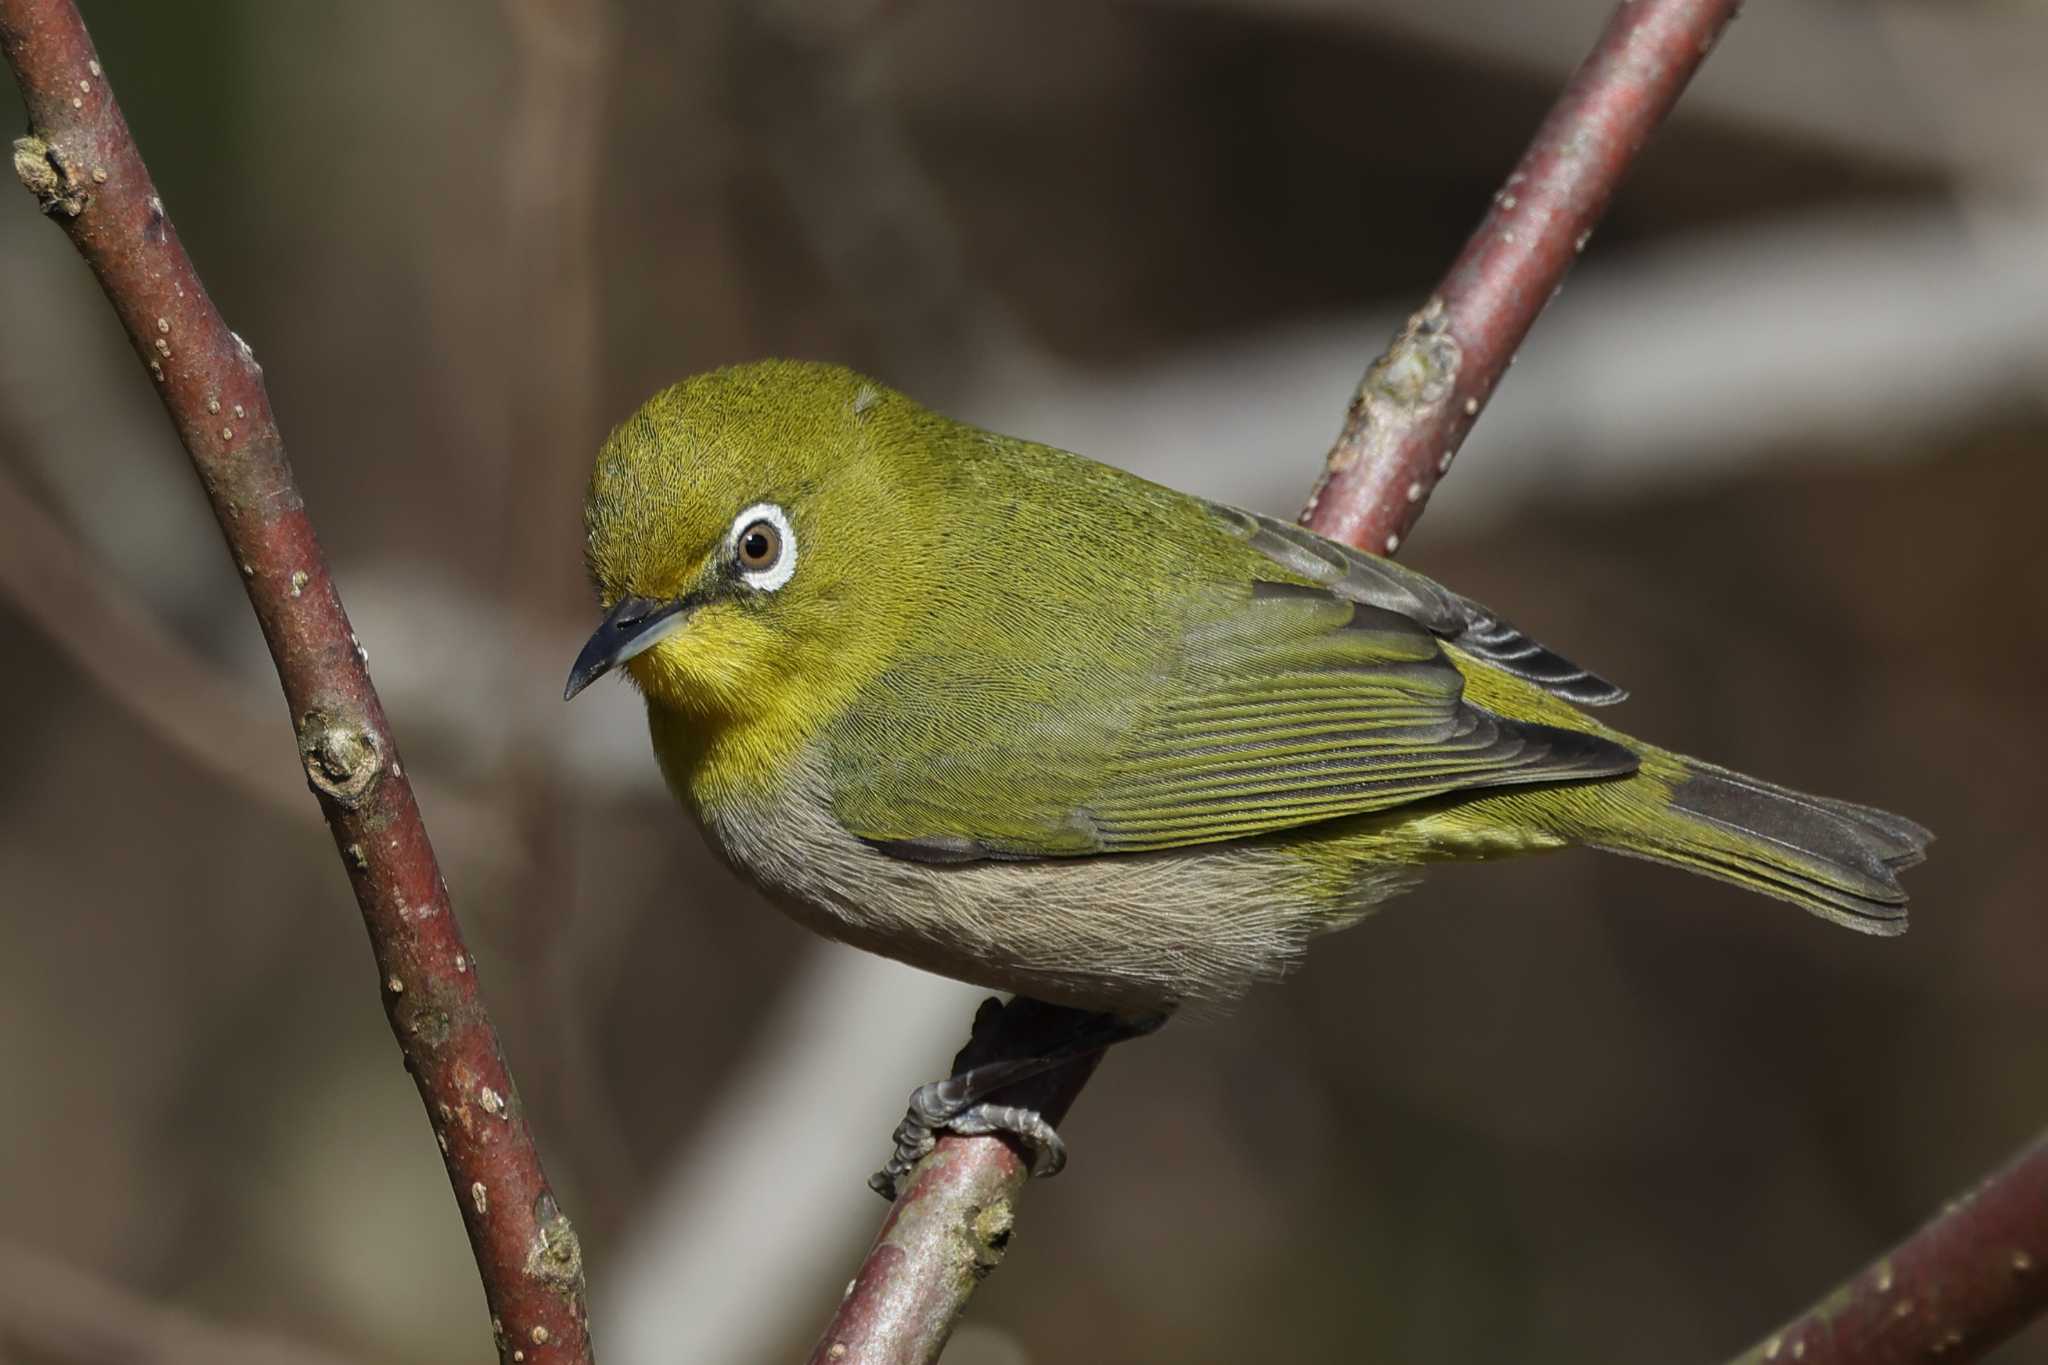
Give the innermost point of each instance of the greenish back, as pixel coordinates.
(1100, 664)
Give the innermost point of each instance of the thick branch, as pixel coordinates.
(1416, 403)
(85, 170)
(1969, 1279)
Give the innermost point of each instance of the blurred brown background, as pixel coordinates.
(1774, 461)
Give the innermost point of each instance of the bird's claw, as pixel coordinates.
(1028, 1126)
(963, 1102)
(934, 1110)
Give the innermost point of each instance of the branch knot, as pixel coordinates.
(342, 760)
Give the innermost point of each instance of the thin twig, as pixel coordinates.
(1973, 1276)
(85, 170)
(953, 1219)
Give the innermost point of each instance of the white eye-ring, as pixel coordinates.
(762, 546)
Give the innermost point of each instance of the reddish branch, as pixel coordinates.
(86, 172)
(1973, 1276)
(1418, 401)
(948, 1228)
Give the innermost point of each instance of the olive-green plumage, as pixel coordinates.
(1016, 716)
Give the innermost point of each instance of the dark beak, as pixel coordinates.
(635, 624)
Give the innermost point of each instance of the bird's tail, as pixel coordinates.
(1834, 858)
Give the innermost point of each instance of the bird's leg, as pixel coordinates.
(962, 1103)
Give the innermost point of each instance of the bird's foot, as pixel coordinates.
(962, 1102)
(955, 1105)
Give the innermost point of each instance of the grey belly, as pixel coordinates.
(1129, 932)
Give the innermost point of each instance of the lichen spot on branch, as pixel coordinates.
(991, 1229)
(1417, 372)
(1421, 367)
(43, 173)
(555, 1257)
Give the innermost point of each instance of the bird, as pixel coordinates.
(1020, 718)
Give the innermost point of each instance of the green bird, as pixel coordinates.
(1023, 719)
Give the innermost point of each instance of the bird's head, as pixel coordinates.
(756, 537)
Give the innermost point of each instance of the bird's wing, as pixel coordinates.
(1277, 704)
(1360, 577)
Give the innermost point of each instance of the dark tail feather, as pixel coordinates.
(1834, 858)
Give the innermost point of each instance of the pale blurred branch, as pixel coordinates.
(52, 1313)
(87, 617)
(85, 171)
(554, 168)
(112, 638)
(873, 216)
(952, 1222)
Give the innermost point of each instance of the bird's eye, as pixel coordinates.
(760, 545)
(763, 546)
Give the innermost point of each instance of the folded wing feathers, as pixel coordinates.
(1311, 707)
(1359, 577)
(1201, 802)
